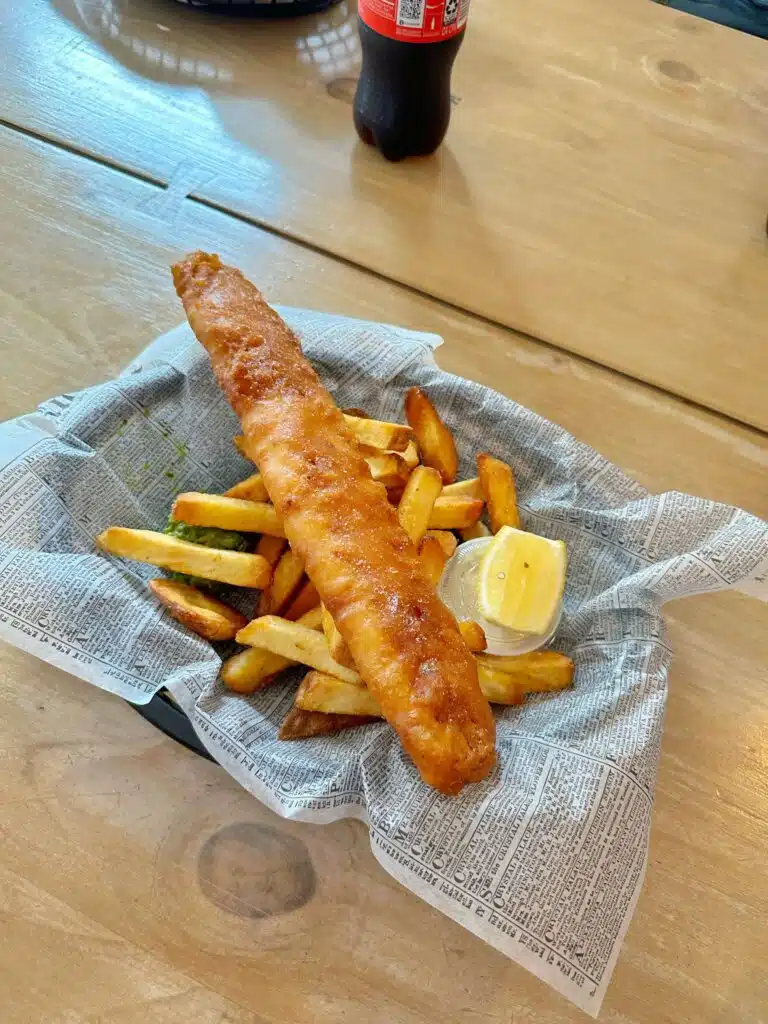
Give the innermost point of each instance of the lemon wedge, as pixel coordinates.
(521, 579)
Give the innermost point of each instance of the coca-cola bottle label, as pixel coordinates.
(415, 21)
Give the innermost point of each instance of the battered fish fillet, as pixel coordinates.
(404, 641)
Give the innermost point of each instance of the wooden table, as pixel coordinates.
(107, 915)
(603, 186)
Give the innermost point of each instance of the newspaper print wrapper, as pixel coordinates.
(545, 859)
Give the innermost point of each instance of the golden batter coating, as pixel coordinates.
(404, 641)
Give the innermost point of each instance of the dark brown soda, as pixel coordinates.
(403, 98)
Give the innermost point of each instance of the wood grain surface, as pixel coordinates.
(89, 287)
(603, 186)
(139, 883)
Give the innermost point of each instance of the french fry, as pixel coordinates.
(251, 489)
(302, 725)
(294, 641)
(239, 442)
(454, 513)
(498, 485)
(235, 567)
(475, 532)
(378, 434)
(416, 505)
(438, 449)
(329, 626)
(285, 581)
(271, 548)
(359, 414)
(411, 455)
(227, 513)
(432, 557)
(203, 614)
(499, 687)
(255, 668)
(336, 645)
(537, 672)
(446, 540)
(464, 488)
(307, 599)
(321, 692)
(252, 670)
(388, 437)
(388, 468)
(473, 635)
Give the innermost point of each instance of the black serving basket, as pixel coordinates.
(164, 713)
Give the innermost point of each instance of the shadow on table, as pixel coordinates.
(434, 185)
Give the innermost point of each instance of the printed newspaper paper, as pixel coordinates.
(545, 859)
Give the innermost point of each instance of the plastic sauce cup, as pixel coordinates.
(458, 590)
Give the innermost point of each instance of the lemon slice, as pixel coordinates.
(521, 580)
